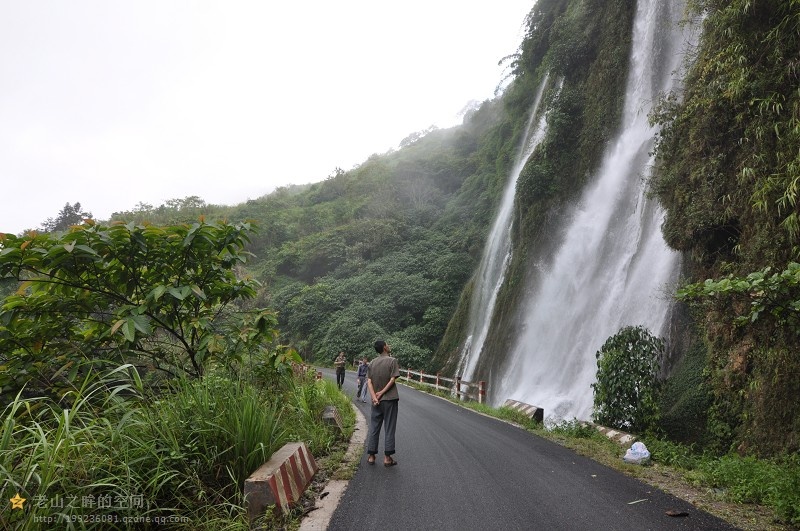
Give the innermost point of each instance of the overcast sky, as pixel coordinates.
(110, 103)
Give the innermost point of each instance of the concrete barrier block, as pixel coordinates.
(617, 436)
(331, 417)
(533, 412)
(280, 481)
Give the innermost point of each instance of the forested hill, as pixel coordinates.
(381, 250)
(388, 248)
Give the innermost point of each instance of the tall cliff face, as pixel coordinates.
(590, 262)
(610, 267)
(727, 174)
(585, 45)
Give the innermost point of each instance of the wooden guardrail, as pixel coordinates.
(456, 386)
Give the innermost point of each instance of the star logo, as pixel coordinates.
(17, 501)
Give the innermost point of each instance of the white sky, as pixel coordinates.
(110, 103)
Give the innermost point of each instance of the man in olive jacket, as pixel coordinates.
(381, 376)
(339, 364)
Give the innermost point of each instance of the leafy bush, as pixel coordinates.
(763, 294)
(625, 394)
(409, 355)
(165, 298)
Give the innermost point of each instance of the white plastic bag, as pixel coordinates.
(637, 454)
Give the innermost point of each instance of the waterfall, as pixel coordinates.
(497, 253)
(612, 267)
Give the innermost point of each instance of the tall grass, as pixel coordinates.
(771, 482)
(110, 455)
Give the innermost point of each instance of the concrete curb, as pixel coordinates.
(319, 518)
(533, 412)
(618, 437)
(281, 480)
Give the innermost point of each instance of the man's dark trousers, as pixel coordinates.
(385, 413)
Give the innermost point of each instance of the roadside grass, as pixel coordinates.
(774, 483)
(112, 455)
(745, 482)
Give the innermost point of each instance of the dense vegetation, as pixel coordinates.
(165, 299)
(137, 382)
(728, 168)
(114, 454)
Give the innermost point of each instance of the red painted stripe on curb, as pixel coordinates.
(302, 463)
(275, 486)
(308, 461)
(289, 487)
(281, 481)
(296, 473)
(284, 499)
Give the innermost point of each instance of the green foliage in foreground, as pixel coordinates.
(626, 391)
(166, 299)
(180, 458)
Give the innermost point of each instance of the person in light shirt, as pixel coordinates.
(381, 375)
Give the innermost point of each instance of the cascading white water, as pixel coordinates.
(613, 266)
(497, 253)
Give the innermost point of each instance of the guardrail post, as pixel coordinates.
(437, 381)
(421, 372)
(408, 374)
(481, 392)
(458, 386)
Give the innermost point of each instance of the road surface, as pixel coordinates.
(461, 470)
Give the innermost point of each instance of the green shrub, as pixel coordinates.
(575, 428)
(625, 394)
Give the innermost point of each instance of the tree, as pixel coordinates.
(68, 216)
(161, 298)
(408, 354)
(625, 394)
(188, 202)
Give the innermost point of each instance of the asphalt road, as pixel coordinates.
(462, 471)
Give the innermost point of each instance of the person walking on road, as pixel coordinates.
(362, 379)
(381, 376)
(339, 364)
